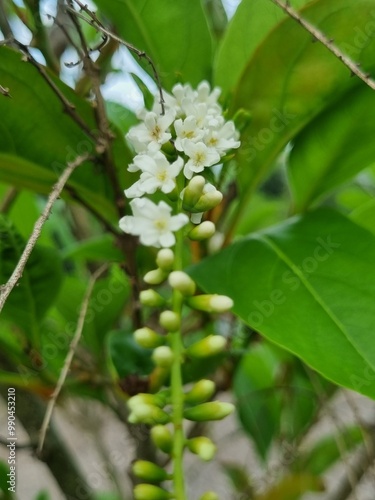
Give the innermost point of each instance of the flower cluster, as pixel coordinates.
(191, 136)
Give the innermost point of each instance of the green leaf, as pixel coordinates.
(127, 356)
(292, 487)
(4, 470)
(37, 289)
(307, 285)
(333, 148)
(277, 85)
(99, 249)
(327, 451)
(27, 158)
(251, 23)
(174, 34)
(258, 401)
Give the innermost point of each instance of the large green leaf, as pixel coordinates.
(333, 148)
(174, 34)
(251, 23)
(37, 138)
(309, 286)
(290, 80)
(39, 285)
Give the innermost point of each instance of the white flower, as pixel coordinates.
(200, 157)
(153, 223)
(204, 94)
(157, 173)
(223, 139)
(151, 134)
(187, 129)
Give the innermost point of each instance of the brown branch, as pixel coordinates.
(94, 21)
(54, 195)
(328, 43)
(9, 198)
(68, 359)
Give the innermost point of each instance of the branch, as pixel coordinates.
(329, 44)
(59, 186)
(68, 359)
(94, 21)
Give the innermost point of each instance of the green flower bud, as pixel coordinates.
(193, 192)
(211, 303)
(214, 410)
(203, 447)
(208, 201)
(201, 392)
(165, 259)
(209, 346)
(159, 400)
(151, 298)
(163, 356)
(162, 438)
(209, 495)
(182, 282)
(148, 471)
(150, 492)
(148, 414)
(147, 338)
(155, 277)
(170, 320)
(203, 231)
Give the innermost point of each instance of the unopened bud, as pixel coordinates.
(182, 282)
(203, 231)
(155, 277)
(148, 414)
(165, 259)
(170, 320)
(201, 392)
(209, 346)
(209, 495)
(203, 447)
(150, 492)
(162, 438)
(193, 192)
(211, 303)
(159, 400)
(208, 201)
(147, 338)
(163, 356)
(214, 410)
(148, 471)
(151, 298)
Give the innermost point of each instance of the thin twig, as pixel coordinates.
(8, 200)
(328, 43)
(55, 193)
(69, 358)
(94, 21)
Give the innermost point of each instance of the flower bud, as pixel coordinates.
(148, 471)
(162, 438)
(163, 356)
(203, 447)
(170, 320)
(208, 201)
(202, 232)
(165, 259)
(214, 410)
(209, 346)
(182, 282)
(211, 303)
(151, 298)
(150, 492)
(159, 399)
(148, 414)
(155, 277)
(193, 192)
(209, 495)
(147, 338)
(201, 392)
